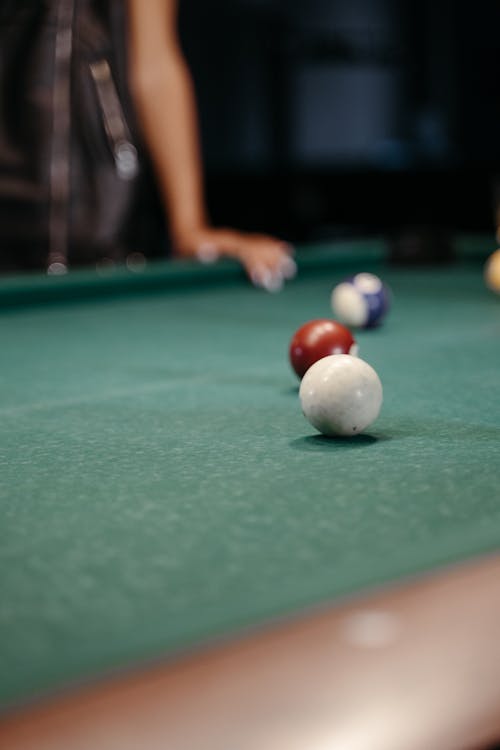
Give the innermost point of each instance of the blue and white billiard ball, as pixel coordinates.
(361, 301)
(341, 395)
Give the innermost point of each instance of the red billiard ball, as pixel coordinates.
(317, 339)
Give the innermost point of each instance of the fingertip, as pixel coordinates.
(207, 253)
(289, 269)
(274, 283)
(265, 279)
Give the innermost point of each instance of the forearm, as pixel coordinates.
(163, 93)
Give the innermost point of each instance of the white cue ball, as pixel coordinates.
(341, 395)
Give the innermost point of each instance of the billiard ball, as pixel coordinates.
(492, 272)
(341, 395)
(361, 301)
(316, 339)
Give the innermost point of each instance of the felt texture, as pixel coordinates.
(160, 487)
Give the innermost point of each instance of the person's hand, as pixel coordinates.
(267, 261)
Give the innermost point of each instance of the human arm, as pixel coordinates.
(163, 92)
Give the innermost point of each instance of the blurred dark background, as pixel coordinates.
(335, 117)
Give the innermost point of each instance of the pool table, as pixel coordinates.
(186, 563)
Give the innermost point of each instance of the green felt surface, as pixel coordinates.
(160, 486)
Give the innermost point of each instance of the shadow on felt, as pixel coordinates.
(323, 443)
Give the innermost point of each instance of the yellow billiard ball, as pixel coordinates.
(492, 272)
